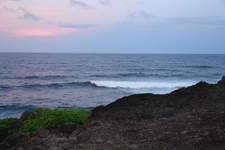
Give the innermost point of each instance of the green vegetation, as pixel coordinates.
(6, 123)
(47, 119)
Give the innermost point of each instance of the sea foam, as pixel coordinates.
(142, 84)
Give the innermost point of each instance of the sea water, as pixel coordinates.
(33, 80)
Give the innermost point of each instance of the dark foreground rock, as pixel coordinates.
(19, 124)
(188, 118)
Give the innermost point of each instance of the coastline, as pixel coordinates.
(187, 118)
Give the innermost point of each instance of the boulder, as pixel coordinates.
(37, 142)
(4, 147)
(23, 118)
(67, 127)
(41, 133)
(18, 124)
(201, 84)
(16, 138)
(222, 81)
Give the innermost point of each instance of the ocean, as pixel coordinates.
(33, 80)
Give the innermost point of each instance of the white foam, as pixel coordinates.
(142, 84)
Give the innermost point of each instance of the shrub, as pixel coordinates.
(6, 123)
(47, 118)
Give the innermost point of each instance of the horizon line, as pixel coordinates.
(113, 53)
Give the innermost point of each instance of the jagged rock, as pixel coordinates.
(37, 142)
(91, 123)
(77, 131)
(67, 127)
(4, 147)
(41, 133)
(222, 81)
(201, 83)
(23, 118)
(18, 124)
(16, 138)
(188, 118)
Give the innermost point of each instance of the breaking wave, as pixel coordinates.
(142, 84)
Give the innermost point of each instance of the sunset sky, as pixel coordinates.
(113, 26)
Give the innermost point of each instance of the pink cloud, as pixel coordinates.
(41, 32)
(4, 25)
(5, 11)
(45, 11)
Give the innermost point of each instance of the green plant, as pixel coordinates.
(47, 118)
(6, 123)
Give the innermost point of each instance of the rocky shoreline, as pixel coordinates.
(188, 118)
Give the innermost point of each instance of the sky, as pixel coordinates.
(113, 26)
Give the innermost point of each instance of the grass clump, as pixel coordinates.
(47, 118)
(7, 123)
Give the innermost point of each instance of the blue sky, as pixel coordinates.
(113, 26)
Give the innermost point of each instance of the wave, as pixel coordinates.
(142, 84)
(106, 84)
(136, 75)
(122, 75)
(44, 77)
(200, 67)
(158, 73)
(4, 87)
(50, 85)
(15, 110)
(48, 77)
(58, 85)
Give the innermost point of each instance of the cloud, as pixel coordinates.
(41, 32)
(3, 25)
(11, 10)
(210, 23)
(10, 0)
(139, 15)
(27, 15)
(81, 4)
(6, 11)
(216, 22)
(199, 20)
(50, 22)
(75, 26)
(105, 2)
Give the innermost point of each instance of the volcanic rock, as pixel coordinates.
(222, 81)
(16, 138)
(18, 124)
(67, 127)
(188, 118)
